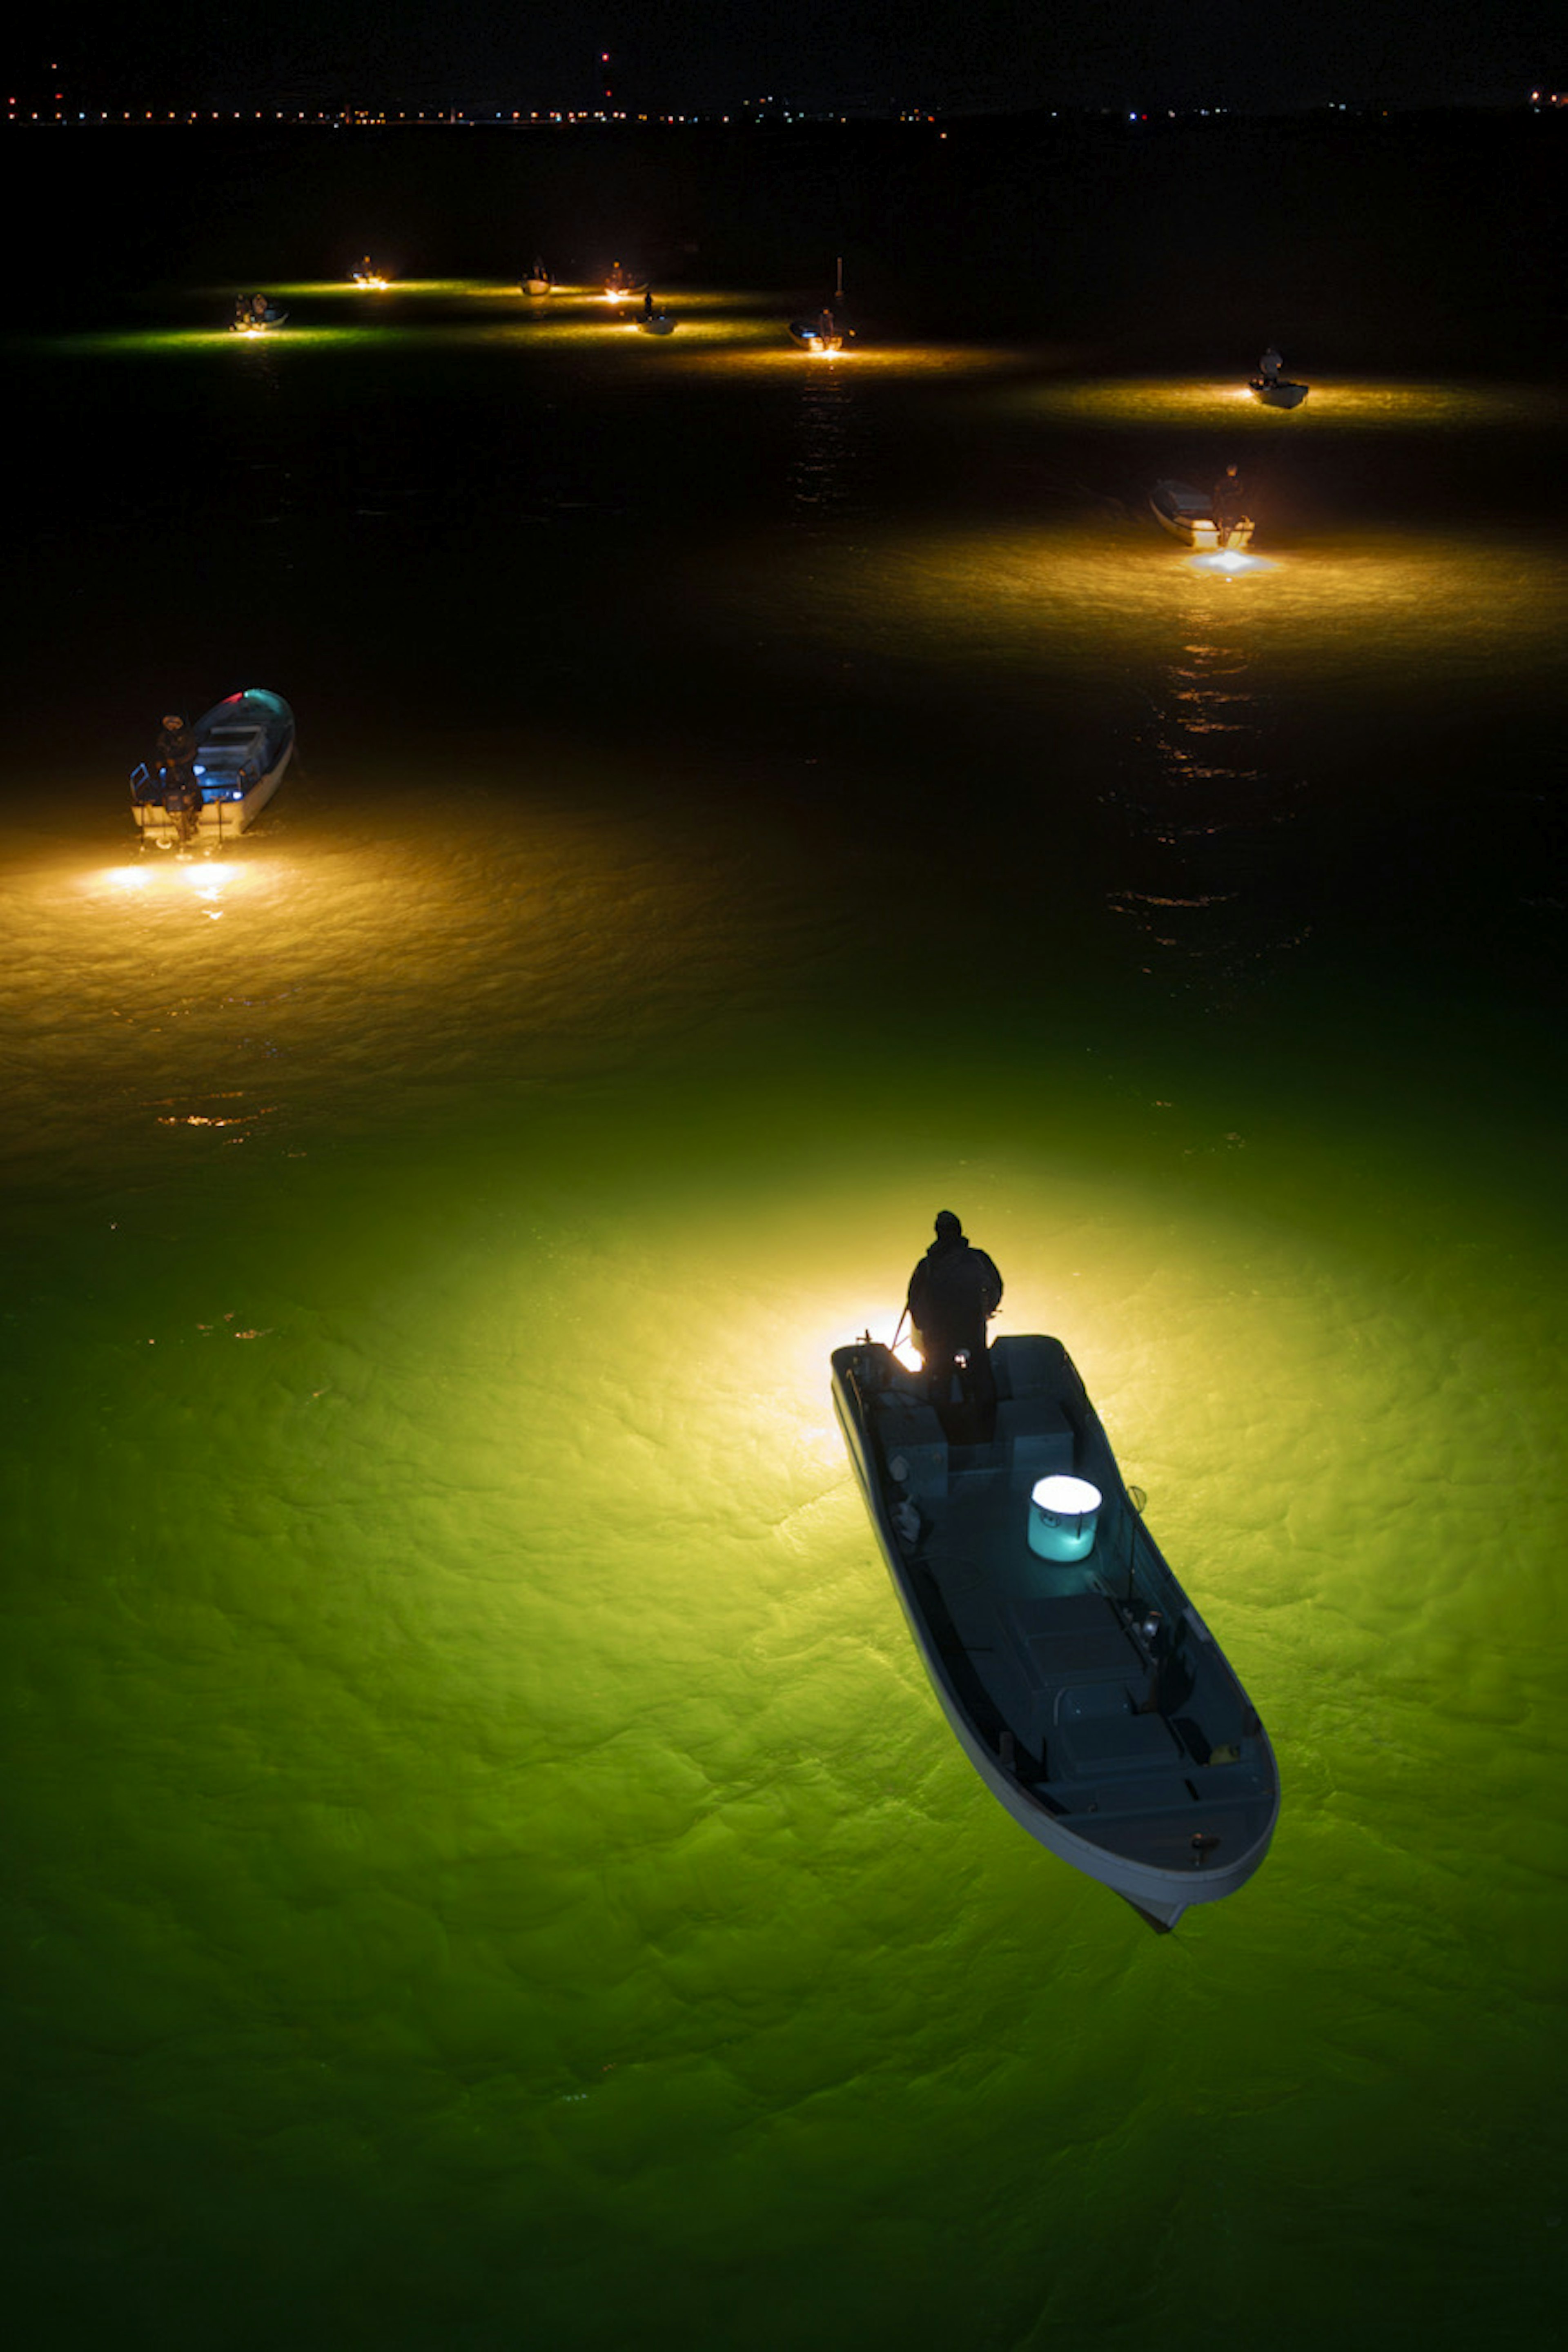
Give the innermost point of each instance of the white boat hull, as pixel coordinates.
(1188, 515)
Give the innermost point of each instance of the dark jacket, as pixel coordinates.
(173, 759)
(1229, 498)
(954, 1292)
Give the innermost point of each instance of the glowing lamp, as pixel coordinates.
(1062, 1515)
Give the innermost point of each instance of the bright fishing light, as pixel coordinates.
(209, 877)
(1228, 559)
(204, 877)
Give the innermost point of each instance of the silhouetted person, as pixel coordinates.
(647, 302)
(954, 1292)
(1269, 365)
(1229, 503)
(824, 326)
(173, 764)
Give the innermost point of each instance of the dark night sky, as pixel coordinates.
(674, 55)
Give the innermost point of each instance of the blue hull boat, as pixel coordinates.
(1077, 1677)
(243, 747)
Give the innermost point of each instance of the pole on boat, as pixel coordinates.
(1139, 1501)
(839, 288)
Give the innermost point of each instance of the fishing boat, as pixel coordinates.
(1278, 394)
(254, 313)
(1077, 1677)
(243, 746)
(620, 288)
(658, 322)
(1188, 515)
(539, 281)
(823, 332)
(811, 336)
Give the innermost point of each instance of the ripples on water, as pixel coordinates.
(483, 1845)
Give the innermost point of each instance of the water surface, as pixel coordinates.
(485, 1861)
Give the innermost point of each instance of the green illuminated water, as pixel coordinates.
(485, 1864)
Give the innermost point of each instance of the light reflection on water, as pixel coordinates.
(1090, 593)
(1355, 404)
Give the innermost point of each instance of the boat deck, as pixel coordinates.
(1136, 1743)
(1088, 1694)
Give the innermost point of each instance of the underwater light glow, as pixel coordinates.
(204, 877)
(1228, 559)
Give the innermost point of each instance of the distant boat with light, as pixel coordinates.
(244, 745)
(812, 336)
(825, 331)
(658, 322)
(255, 313)
(1077, 1677)
(539, 281)
(1188, 515)
(1278, 394)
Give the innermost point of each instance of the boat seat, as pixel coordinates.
(1038, 1438)
(906, 1425)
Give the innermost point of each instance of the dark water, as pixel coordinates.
(484, 1862)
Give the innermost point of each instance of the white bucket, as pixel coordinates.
(1062, 1515)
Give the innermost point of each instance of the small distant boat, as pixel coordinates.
(1278, 395)
(812, 337)
(658, 322)
(620, 288)
(539, 281)
(243, 746)
(1079, 1679)
(256, 314)
(823, 332)
(369, 277)
(1188, 515)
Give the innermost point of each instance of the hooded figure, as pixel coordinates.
(175, 757)
(1229, 503)
(954, 1292)
(173, 765)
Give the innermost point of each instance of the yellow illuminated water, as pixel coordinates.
(1356, 404)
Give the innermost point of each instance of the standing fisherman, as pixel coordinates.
(173, 764)
(954, 1292)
